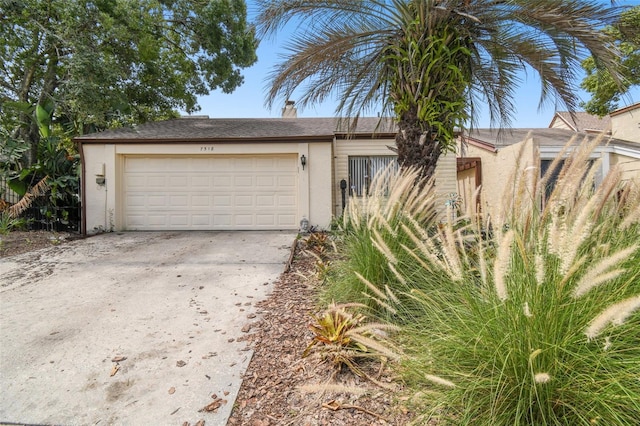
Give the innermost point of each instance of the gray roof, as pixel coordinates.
(220, 129)
(585, 122)
(550, 137)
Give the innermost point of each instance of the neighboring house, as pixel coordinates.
(486, 158)
(581, 122)
(232, 174)
(625, 123)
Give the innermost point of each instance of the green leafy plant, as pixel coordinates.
(343, 337)
(8, 223)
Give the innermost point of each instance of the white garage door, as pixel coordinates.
(210, 192)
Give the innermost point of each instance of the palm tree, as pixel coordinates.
(430, 63)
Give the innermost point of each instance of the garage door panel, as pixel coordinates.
(210, 192)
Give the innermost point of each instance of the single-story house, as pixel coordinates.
(197, 173)
(487, 157)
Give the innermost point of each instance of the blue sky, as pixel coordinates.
(248, 100)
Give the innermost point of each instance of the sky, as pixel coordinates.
(248, 101)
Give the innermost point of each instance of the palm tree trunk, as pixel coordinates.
(416, 147)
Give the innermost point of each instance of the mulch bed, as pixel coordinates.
(282, 388)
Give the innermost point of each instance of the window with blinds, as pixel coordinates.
(362, 170)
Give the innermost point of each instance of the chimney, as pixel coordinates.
(289, 111)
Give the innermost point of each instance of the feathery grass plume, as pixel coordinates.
(615, 314)
(502, 263)
(439, 381)
(571, 178)
(450, 251)
(382, 300)
(502, 216)
(542, 378)
(610, 183)
(397, 274)
(368, 283)
(600, 272)
(390, 294)
(540, 272)
(417, 258)
(382, 246)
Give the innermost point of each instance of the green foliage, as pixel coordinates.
(8, 223)
(605, 90)
(54, 174)
(531, 316)
(110, 62)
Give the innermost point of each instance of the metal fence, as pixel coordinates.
(59, 219)
(43, 217)
(6, 193)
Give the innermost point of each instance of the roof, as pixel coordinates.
(583, 121)
(238, 129)
(625, 109)
(493, 139)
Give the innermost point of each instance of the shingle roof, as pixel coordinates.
(585, 122)
(550, 137)
(185, 129)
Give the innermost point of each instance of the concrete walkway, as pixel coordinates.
(132, 328)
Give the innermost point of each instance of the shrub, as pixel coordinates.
(344, 337)
(530, 317)
(370, 228)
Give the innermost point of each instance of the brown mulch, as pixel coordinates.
(280, 387)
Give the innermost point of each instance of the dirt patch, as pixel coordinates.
(18, 242)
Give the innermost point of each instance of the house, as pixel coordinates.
(199, 173)
(487, 157)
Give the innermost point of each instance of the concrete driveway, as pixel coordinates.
(172, 303)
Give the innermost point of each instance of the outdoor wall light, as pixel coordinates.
(303, 161)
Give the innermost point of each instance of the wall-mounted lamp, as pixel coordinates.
(303, 161)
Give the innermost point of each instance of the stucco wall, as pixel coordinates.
(629, 166)
(103, 204)
(497, 170)
(558, 123)
(626, 125)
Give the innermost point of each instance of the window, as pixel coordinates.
(362, 170)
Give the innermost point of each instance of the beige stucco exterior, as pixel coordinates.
(497, 171)
(103, 203)
(499, 165)
(625, 123)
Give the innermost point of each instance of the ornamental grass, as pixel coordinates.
(526, 315)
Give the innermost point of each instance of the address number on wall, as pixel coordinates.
(207, 148)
